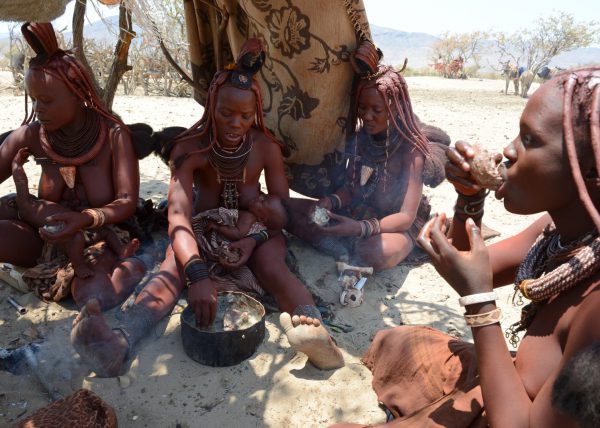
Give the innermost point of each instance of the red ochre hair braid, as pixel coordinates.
(64, 66)
(582, 91)
(392, 86)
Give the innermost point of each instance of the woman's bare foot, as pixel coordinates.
(103, 349)
(307, 335)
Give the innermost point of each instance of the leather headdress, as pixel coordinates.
(365, 60)
(40, 36)
(249, 61)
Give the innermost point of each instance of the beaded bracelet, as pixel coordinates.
(195, 270)
(98, 217)
(481, 320)
(260, 237)
(336, 201)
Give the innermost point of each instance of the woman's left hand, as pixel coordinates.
(468, 272)
(72, 222)
(344, 226)
(246, 247)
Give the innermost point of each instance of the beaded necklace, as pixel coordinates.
(230, 165)
(578, 261)
(372, 155)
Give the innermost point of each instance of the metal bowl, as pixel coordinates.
(227, 342)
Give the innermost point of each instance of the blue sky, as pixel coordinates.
(436, 16)
(462, 16)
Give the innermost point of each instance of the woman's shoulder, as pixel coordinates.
(263, 142)
(24, 135)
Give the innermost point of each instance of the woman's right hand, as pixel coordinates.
(324, 203)
(458, 171)
(202, 297)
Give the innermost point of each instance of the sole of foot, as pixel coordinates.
(308, 336)
(103, 349)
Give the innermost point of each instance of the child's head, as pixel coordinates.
(270, 211)
(577, 388)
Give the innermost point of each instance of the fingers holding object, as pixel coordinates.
(438, 236)
(475, 238)
(424, 237)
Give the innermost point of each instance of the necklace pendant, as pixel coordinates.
(68, 174)
(365, 174)
(230, 195)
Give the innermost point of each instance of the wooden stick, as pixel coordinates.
(341, 267)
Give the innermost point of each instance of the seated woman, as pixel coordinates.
(35, 211)
(427, 378)
(216, 163)
(89, 174)
(379, 210)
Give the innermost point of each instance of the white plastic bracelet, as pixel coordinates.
(472, 299)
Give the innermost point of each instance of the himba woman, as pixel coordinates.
(216, 163)
(89, 175)
(427, 378)
(378, 211)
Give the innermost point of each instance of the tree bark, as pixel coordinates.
(119, 65)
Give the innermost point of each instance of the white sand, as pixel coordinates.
(276, 387)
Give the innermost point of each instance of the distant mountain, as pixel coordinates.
(396, 45)
(581, 56)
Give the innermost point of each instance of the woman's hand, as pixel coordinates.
(324, 203)
(458, 171)
(71, 222)
(468, 272)
(202, 297)
(344, 226)
(245, 247)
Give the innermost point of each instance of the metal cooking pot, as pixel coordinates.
(220, 348)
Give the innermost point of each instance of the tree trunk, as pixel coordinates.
(78, 20)
(119, 65)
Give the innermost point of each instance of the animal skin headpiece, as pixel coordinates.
(365, 60)
(40, 36)
(249, 61)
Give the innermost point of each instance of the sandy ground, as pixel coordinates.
(276, 387)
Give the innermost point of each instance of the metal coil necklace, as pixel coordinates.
(70, 151)
(78, 148)
(230, 165)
